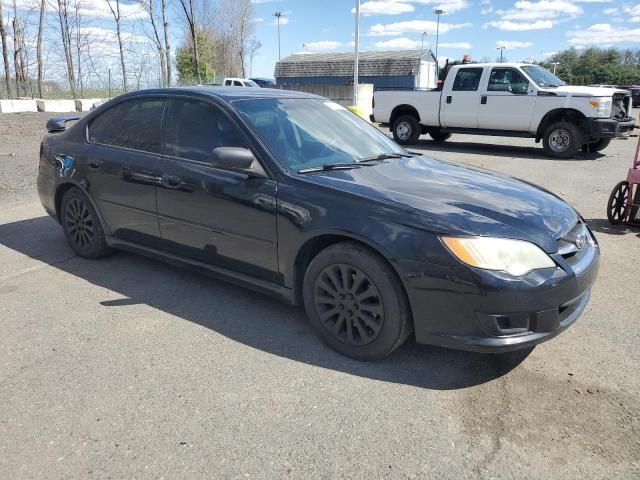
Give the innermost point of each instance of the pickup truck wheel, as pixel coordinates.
(562, 140)
(406, 130)
(439, 136)
(596, 146)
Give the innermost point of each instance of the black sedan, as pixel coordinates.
(292, 195)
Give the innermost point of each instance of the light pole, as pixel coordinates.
(501, 50)
(357, 55)
(424, 34)
(438, 12)
(555, 64)
(278, 15)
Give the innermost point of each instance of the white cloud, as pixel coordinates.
(541, 10)
(413, 26)
(549, 54)
(398, 43)
(512, 44)
(463, 45)
(603, 34)
(610, 11)
(510, 26)
(377, 7)
(634, 11)
(322, 46)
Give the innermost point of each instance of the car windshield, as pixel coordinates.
(305, 133)
(542, 77)
(250, 83)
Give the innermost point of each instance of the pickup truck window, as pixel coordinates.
(467, 80)
(507, 80)
(542, 77)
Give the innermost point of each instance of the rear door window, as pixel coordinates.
(193, 128)
(467, 80)
(134, 124)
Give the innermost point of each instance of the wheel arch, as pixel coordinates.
(63, 188)
(403, 109)
(559, 114)
(314, 245)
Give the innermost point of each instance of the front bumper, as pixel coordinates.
(609, 128)
(484, 311)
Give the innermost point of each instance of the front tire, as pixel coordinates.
(81, 226)
(562, 140)
(596, 146)
(406, 130)
(355, 302)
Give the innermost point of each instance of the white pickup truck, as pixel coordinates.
(509, 99)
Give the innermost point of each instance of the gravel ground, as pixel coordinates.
(128, 368)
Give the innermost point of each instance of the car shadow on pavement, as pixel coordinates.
(262, 323)
(495, 150)
(602, 225)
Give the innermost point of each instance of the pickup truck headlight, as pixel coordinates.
(516, 257)
(602, 106)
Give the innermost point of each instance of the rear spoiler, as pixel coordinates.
(59, 124)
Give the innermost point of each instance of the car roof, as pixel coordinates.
(227, 94)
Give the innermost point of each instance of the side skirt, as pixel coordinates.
(283, 294)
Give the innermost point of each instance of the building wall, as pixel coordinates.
(342, 94)
(400, 81)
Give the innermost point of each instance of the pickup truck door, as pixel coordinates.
(461, 98)
(508, 101)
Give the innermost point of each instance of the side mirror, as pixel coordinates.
(232, 158)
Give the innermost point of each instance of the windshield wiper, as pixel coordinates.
(330, 166)
(384, 156)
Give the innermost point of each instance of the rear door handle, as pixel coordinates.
(95, 164)
(448, 98)
(483, 99)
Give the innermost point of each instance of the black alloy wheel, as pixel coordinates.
(349, 304)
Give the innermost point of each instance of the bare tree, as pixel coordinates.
(5, 53)
(190, 17)
(19, 53)
(244, 27)
(167, 47)
(39, 46)
(254, 46)
(116, 16)
(149, 7)
(65, 33)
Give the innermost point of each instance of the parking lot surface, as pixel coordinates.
(130, 368)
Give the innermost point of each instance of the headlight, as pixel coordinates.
(602, 106)
(516, 257)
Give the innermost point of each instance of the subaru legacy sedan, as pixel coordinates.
(292, 195)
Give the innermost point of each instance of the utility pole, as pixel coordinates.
(357, 55)
(438, 12)
(501, 50)
(278, 15)
(109, 81)
(424, 34)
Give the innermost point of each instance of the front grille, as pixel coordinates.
(575, 244)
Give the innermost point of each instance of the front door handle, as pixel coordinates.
(448, 98)
(172, 181)
(95, 164)
(483, 99)
(138, 176)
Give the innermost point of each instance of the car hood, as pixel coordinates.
(449, 198)
(578, 91)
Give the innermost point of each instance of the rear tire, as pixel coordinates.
(406, 130)
(438, 136)
(81, 225)
(355, 302)
(562, 139)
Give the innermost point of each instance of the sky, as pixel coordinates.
(528, 29)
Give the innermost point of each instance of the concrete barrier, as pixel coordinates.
(85, 104)
(56, 105)
(17, 106)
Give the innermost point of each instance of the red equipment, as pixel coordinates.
(624, 201)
